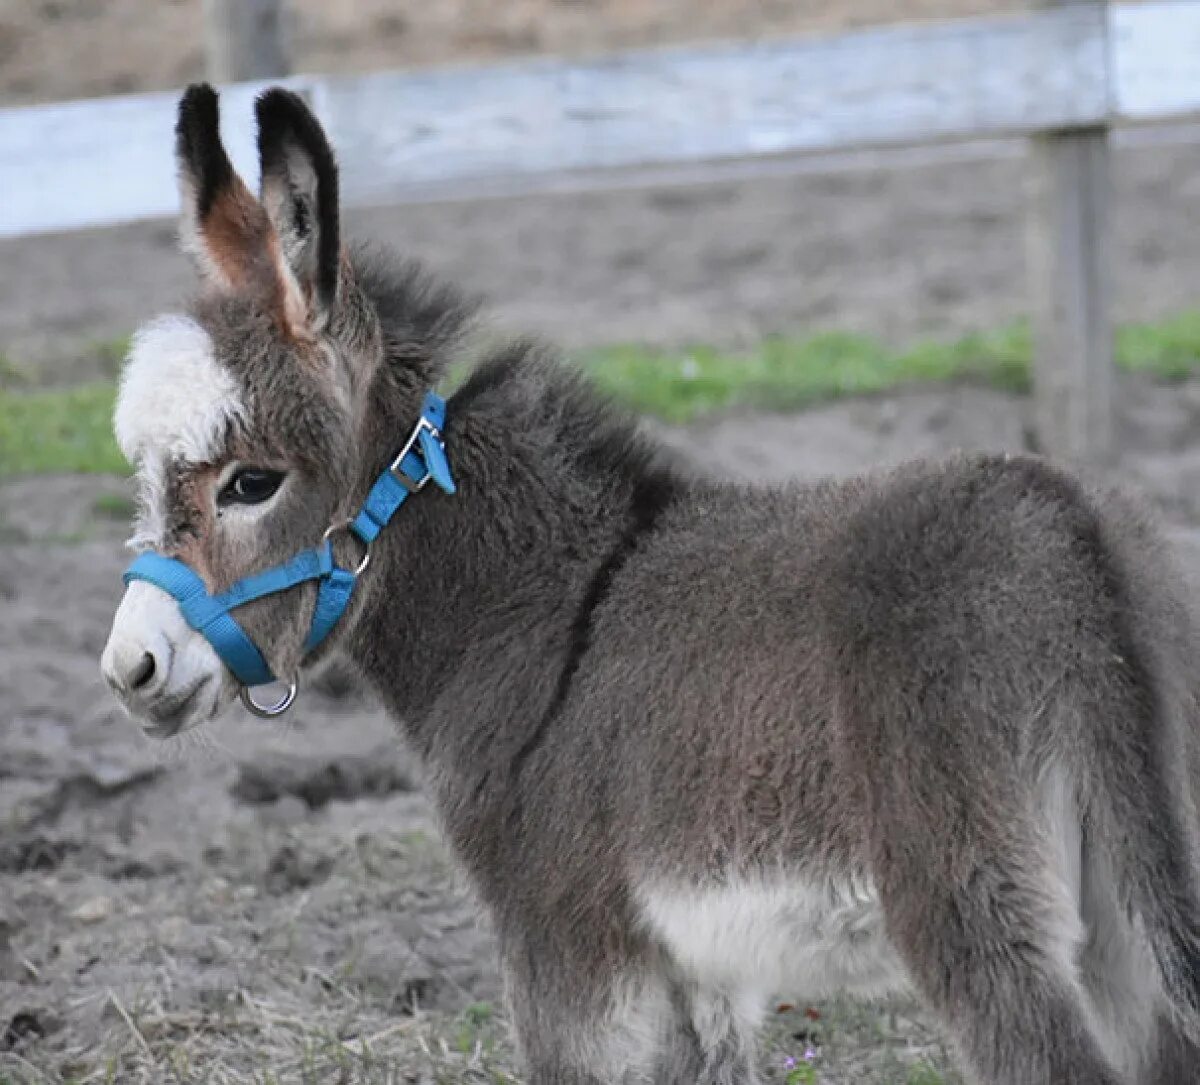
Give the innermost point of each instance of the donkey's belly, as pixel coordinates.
(805, 939)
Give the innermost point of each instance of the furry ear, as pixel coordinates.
(223, 226)
(300, 194)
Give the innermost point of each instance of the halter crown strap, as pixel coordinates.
(422, 458)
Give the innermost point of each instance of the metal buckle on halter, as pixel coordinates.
(410, 484)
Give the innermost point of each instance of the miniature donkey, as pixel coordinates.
(933, 729)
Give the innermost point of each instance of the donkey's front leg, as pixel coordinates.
(583, 1018)
(709, 1040)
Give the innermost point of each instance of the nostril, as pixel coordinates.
(143, 673)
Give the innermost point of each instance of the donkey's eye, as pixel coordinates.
(250, 486)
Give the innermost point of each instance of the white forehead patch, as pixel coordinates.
(176, 400)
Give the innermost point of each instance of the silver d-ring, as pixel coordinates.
(268, 712)
(344, 525)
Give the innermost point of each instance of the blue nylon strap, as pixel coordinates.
(386, 496)
(434, 408)
(424, 459)
(332, 599)
(389, 493)
(307, 565)
(436, 462)
(228, 638)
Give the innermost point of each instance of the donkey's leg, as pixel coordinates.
(992, 960)
(709, 1039)
(583, 1019)
(979, 909)
(1121, 977)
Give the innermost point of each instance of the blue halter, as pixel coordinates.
(422, 458)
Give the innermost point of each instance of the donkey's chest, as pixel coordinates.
(786, 936)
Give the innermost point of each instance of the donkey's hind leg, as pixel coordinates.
(1122, 980)
(985, 919)
(988, 955)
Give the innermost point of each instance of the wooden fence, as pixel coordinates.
(1062, 74)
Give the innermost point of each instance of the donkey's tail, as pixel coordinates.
(1149, 762)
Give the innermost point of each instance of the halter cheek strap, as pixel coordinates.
(422, 458)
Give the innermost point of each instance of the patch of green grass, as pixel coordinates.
(784, 374)
(69, 430)
(803, 1073)
(1169, 349)
(114, 507)
(479, 1013)
(475, 1031)
(11, 376)
(59, 430)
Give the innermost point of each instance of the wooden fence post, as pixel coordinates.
(245, 39)
(1069, 271)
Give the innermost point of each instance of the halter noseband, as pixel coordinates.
(422, 458)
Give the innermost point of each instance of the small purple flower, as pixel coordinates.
(789, 1063)
(809, 1054)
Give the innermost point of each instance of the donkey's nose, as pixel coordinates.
(144, 672)
(130, 668)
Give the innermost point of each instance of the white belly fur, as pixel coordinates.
(776, 936)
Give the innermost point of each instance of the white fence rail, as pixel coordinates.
(415, 135)
(412, 136)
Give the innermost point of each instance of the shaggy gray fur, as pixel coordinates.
(950, 710)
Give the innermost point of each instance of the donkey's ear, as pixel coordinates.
(300, 194)
(223, 226)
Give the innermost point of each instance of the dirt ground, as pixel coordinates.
(267, 896)
(272, 902)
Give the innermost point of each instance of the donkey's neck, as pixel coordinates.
(477, 607)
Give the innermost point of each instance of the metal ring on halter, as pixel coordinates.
(268, 712)
(344, 525)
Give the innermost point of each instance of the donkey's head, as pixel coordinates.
(244, 418)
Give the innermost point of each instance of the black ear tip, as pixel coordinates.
(285, 117)
(198, 144)
(281, 107)
(198, 106)
(199, 92)
(198, 128)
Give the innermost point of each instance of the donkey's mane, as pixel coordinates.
(524, 380)
(416, 310)
(557, 399)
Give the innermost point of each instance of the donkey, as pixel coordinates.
(934, 729)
